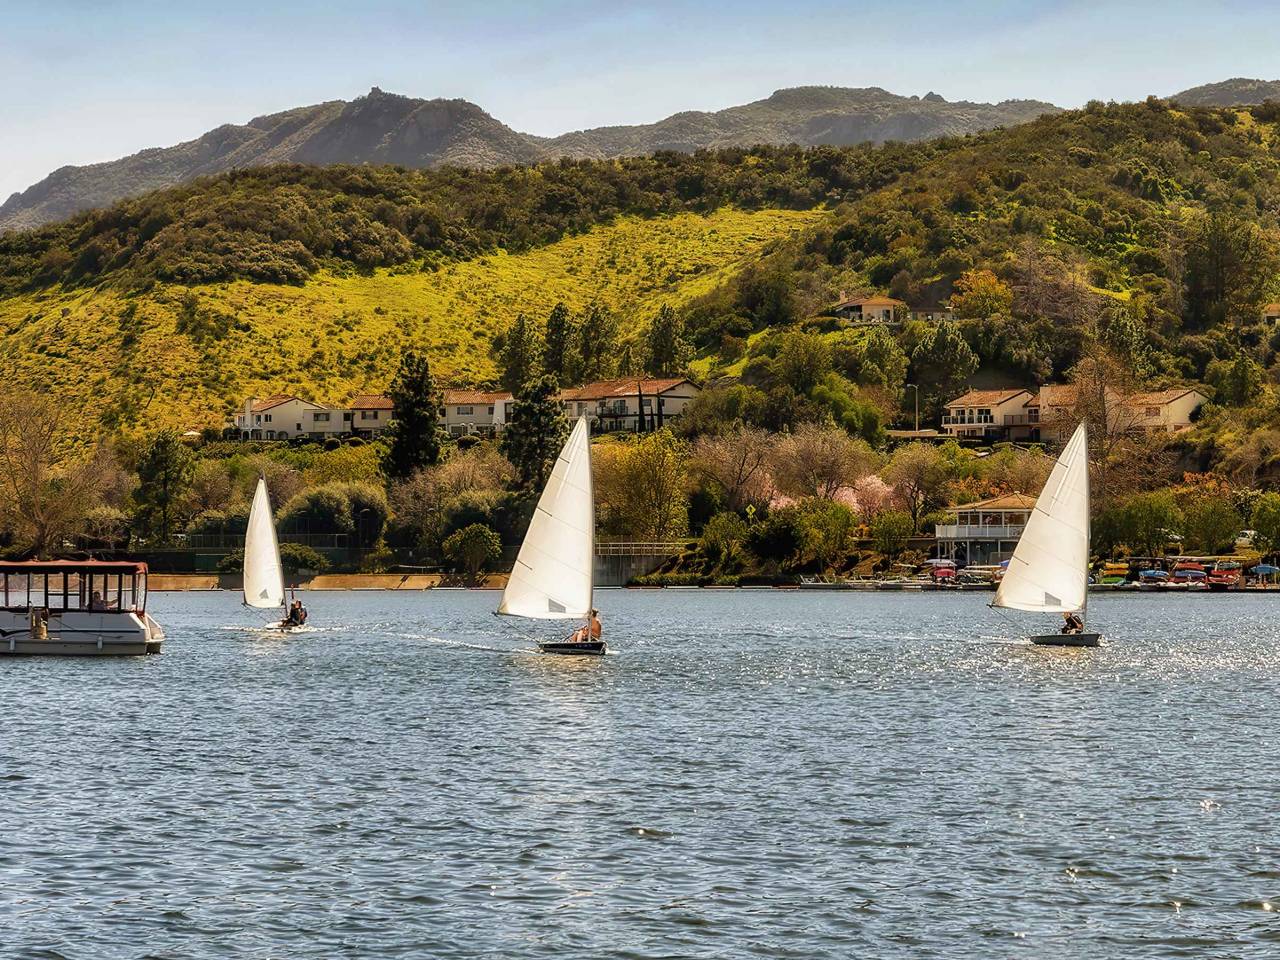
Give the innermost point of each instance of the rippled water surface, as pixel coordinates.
(773, 774)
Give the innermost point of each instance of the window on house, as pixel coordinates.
(297, 427)
(346, 416)
(491, 410)
(321, 417)
(1153, 411)
(267, 418)
(368, 414)
(464, 411)
(646, 403)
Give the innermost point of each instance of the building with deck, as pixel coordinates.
(984, 532)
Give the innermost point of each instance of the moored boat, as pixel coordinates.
(76, 608)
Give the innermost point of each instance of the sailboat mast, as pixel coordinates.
(1088, 523)
(591, 495)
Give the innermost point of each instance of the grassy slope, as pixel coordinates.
(344, 334)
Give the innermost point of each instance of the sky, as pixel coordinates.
(83, 81)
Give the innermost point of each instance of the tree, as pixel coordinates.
(1150, 521)
(427, 504)
(473, 548)
(642, 487)
(47, 486)
(669, 350)
(537, 431)
(1235, 383)
(414, 434)
(737, 463)
(557, 344)
(919, 476)
(518, 354)
(723, 537)
(872, 359)
(820, 461)
(1210, 524)
(828, 531)
(1229, 264)
(1265, 522)
(803, 360)
(165, 471)
(597, 344)
(980, 294)
(890, 532)
(942, 361)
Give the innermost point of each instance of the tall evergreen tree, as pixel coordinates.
(414, 434)
(669, 349)
(518, 357)
(597, 344)
(536, 431)
(164, 475)
(557, 349)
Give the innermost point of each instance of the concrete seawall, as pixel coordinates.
(174, 582)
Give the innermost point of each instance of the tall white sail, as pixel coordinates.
(552, 576)
(263, 573)
(1049, 571)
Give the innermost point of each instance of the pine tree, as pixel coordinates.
(414, 434)
(558, 342)
(164, 475)
(518, 356)
(669, 349)
(536, 432)
(597, 344)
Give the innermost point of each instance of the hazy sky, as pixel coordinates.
(89, 80)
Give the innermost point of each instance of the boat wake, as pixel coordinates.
(465, 645)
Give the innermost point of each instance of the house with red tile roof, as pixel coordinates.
(986, 414)
(630, 403)
(869, 309)
(475, 412)
(284, 417)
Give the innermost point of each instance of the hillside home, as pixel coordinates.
(283, 417)
(621, 404)
(475, 412)
(984, 532)
(869, 309)
(369, 414)
(1271, 313)
(986, 414)
(1166, 411)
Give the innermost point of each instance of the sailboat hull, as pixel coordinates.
(1068, 640)
(587, 648)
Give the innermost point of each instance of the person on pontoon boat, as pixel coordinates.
(592, 630)
(1071, 623)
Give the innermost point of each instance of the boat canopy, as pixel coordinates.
(102, 586)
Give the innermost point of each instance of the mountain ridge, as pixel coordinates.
(387, 128)
(1236, 92)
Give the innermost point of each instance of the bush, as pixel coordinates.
(473, 548)
(232, 563)
(779, 537)
(890, 532)
(296, 556)
(723, 537)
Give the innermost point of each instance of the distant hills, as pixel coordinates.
(1239, 92)
(383, 128)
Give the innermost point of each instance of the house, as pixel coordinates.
(1271, 313)
(629, 404)
(368, 414)
(869, 309)
(475, 412)
(984, 532)
(1166, 411)
(986, 414)
(283, 417)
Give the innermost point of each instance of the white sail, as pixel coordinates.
(1049, 571)
(263, 573)
(552, 578)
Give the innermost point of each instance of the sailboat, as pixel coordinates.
(263, 571)
(553, 578)
(1049, 570)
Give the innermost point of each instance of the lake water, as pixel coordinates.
(771, 774)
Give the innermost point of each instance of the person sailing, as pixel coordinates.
(1071, 623)
(297, 615)
(592, 631)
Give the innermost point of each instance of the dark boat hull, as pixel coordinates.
(1068, 640)
(570, 648)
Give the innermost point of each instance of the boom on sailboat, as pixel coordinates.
(1049, 570)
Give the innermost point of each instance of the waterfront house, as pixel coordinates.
(984, 532)
(368, 414)
(475, 412)
(283, 417)
(986, 414)
(869, 309)
(629, 403)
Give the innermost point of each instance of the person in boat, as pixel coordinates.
(297, 615)
(1071, 623)
(592, 631)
